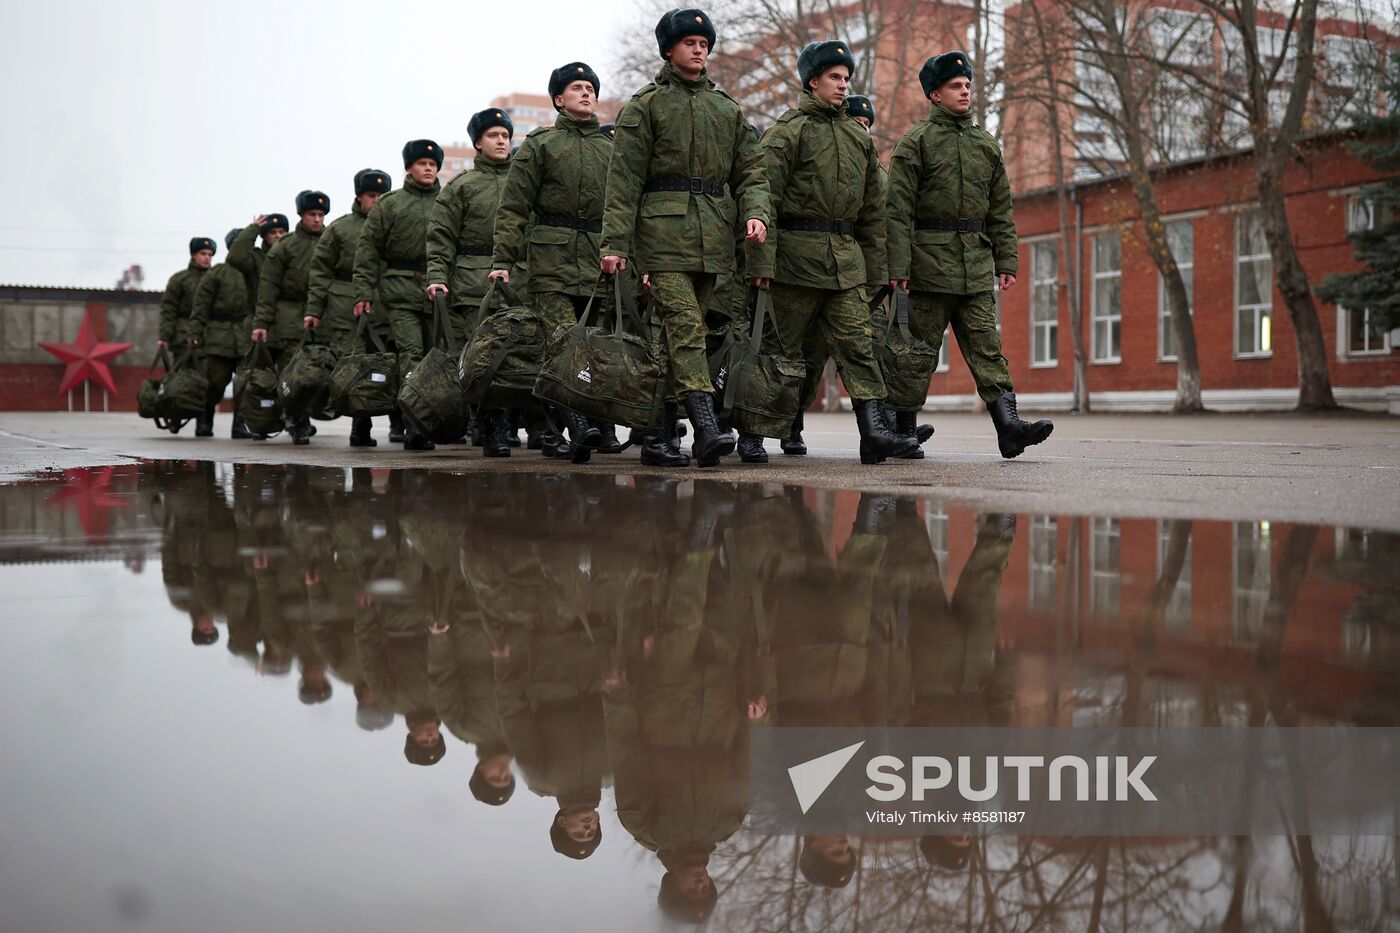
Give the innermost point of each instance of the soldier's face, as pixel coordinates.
(955, 96)
(865, 122)
(203, 258)
(315, 221)
(690, 55)
(830, 86)
(580, 827)
(426, 734)
(495, 143)
(424, 171)
(367, 200)
(578, 100)
(694, 882)
(272, 236)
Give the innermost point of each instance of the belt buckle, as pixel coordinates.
(697, 186)
(964, 225)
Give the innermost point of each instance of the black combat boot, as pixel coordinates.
(1013, 434)
(793, 445)
(396, 432)
(584, 438)
(751, 448)
(239, 431)
(906, 424)
(412, 440)
(300, 432)
(608, 442)
(710, 442)
(552, 444)
(360, 433)
(204, 424)
(478, 429)
(661, 446)
(514, 419)
(496, 425)
(877, 439)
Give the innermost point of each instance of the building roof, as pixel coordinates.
(66, 293)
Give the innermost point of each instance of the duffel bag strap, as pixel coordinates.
(442, 329)
(627, 306)
(363, 328)
(760, 300)
(900, 316)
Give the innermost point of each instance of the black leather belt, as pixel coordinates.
(587, 225)
(408, 265)
(816, 225)
(344, 277)
(476, 249)
(961, 225)
(694, 185)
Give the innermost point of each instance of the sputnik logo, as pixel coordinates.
(811, 778)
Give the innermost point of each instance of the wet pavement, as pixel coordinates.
(243, 696)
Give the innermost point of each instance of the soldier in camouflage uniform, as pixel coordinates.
(557, 178)
(461, 239)
(217, 327)
(281, 306)
(681, 142)
(329, 297)
(391, 265)
(176, 308)
(824, 179)
(952, 240)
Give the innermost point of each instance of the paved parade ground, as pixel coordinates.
(1339, 470)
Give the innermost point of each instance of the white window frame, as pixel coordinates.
(1250, 598)
(1051, 326)
(1105, 528)
(1164, 317)
(1094, 317)
(1042, 526)
(1267, 309)
(1354, 202)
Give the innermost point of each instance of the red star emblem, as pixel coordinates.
(86, 359)
(88, 491)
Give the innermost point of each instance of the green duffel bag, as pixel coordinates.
(906, 362)
(257, 391)
(616, 376)
(305, 389)
(759, 393)
(184, 391)
(365, 383)
(501, 362)
(148, 396)
(431, 397)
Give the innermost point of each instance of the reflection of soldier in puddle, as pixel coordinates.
(683, 680)
(183, 495)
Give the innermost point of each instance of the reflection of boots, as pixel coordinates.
(360, 433)
(906, 424)
(608, 442)
(710, 442)
(1013, 434)
(661, 446)
(1001, 525)
(495, 424)
(204, 424)
(874, 513)
(793, 445)
(240, 431)
(396, 433)
(877, 440)
(751, 448)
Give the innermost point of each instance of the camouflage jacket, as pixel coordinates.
(245, 255)
(462, 232)
(396, 234)
(221, 312)
(333, 265)
(177, 302)
(283, 284)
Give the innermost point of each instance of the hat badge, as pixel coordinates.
(699, 19)
(498, 114)
(840, 51)
(959, 61)
(580, 71)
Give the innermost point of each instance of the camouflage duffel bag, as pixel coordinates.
(257, 397)
(184, 391)
(305, 389)
(148, 396)
(431, 396)
(365, 383)
(759, 393)
(906, 362)
(617, 376)
(501, 361)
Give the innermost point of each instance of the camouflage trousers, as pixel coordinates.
(219, 371)
(841, 318)
(412, 328)
(815, 352)
(681, 299)
(557, 309)
(974, 321)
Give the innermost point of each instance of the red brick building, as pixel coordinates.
(1245, 340)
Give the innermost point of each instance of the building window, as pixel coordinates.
(1104, 537)
(943, 351)
(1361, 335)
(1108, 298)
(1045, 305)
(1253, 573)
(1044, 575)
(936, 521)
(1178, 612)
(1254, 288)
(1181, 236)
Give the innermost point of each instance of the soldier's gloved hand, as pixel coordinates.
(162, 345)
(756, 231)
(362, 307)
(436, 289)
(500, 275)
(612, 264)
(1005, 280)
(259, 218)
(310, 323)
(259, 335)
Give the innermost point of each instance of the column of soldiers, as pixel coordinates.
(659, 203)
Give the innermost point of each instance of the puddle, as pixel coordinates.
(246, 696)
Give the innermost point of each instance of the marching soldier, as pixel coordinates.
(952, 240)
(824, 180)
(281, 305)
(391, 266)
(329, 297)
(177, 306)
(461, 239)
(558, 177)
(217, 325)
(680, 141)
(247, 257)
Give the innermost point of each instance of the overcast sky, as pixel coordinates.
(130, 127)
